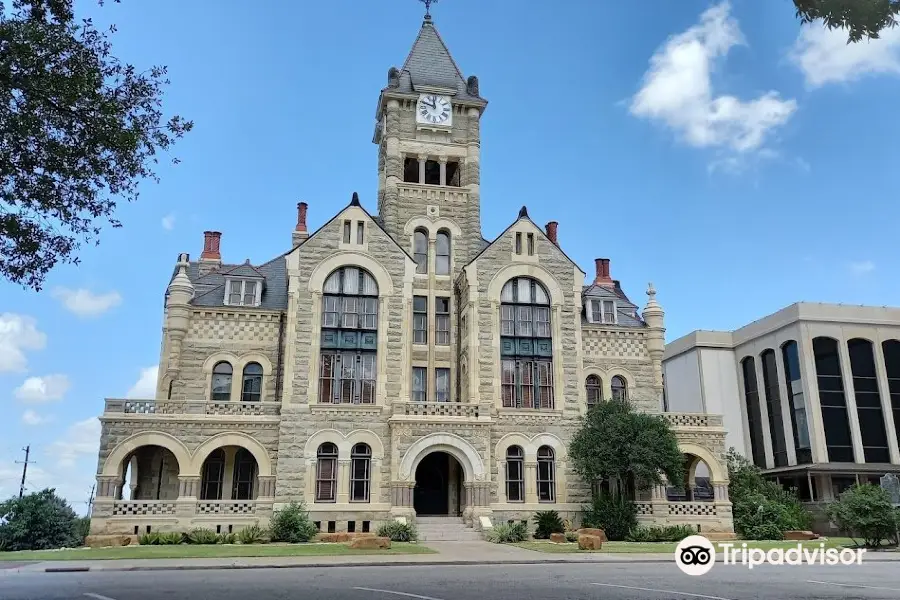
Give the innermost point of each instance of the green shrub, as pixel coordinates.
(226, 538)
(38, 521)
(547, 522)
(865, 511)
(291, 524)
(615, 515)
(508, 533)
(670, 533)
(252, 534)
(398, 532)
(171, 538)
(82, 528)
(202, 536)
(571, 536)
(149, 539)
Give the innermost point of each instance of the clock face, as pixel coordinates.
(434, 109)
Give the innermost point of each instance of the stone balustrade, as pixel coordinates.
(191, 407)
(226, 507)
(433, 194)
(143, 508)
(693, 420)
(425, 410)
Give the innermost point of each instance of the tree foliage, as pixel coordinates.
(865, 511)
(762, 510)
(861, 18)
(617, 443)
(79, 129)
(38, 521)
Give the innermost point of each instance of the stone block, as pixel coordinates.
(558, 538)
(370, 543)
(589, 542)
(800, 535)
(333, 538)
(106, 541)
(595, 532)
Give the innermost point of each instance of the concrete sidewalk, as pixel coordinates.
(448, 553)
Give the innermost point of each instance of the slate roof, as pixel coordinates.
(209, 289)
(627, 310)
(430, 64)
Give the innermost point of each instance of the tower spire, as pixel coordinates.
(428, 4)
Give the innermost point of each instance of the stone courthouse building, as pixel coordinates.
(394, 364)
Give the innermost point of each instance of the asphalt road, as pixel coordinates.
(493, 582)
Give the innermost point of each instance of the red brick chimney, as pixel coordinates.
(211, 241)
(602, 278)
(299, 235)
(552, 228)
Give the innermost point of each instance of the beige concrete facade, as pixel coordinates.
(165, 450)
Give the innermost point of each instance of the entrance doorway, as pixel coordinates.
(439, 485)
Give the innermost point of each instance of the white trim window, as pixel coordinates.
(604, 312)
(243, 292)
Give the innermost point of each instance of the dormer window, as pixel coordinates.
(602, 312)
(243, 292)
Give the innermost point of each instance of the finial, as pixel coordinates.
(355, 200)
(523, 212)
(651, 291)
(428, 4)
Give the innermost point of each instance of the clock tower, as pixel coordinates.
(428, 137)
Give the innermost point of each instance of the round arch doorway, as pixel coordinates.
(439, 485)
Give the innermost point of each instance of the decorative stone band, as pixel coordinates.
(693, 420)
(226, 507)
(478, 493)
(266, 487)
(191, 407)
(678, 509)
(188, 487)
(129, 508)
(436, 409)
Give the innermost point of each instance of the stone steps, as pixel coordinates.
(445, 529)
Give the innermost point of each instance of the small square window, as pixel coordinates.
(518, 243)
(365, 527)
(530, 244)
(351, 526)
(332, 526)
(360, 232)
(346, 232)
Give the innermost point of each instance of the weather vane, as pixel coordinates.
(428, 4)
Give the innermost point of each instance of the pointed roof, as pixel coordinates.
(430, 65)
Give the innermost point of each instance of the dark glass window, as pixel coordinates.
(515, 474)
(221, 382)
(442, 253)
(360, 467)
(526, 346)
(420, 319)
(326, 473)
(244, 475)
(419, 384)
(796, 402)
(754, 419)
(773, 403)
(251, 388)
(546, 474)
(868, 401)
(420, 250)
(213, 475)
(442, 321)
(442, 385)
(832, 399)
(891, 350)
(619, 388)
(594, 388)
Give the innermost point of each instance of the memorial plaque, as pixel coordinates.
(891, 484)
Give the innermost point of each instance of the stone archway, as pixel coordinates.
(439, 485)
(455, 446)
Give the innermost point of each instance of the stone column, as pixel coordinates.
(265, 487)
(228, 478)
(107, 487)
(658, 500)
(443, 161)
(402, 499)
(343, 483)
(531, 495)
(422, 159)
(890, 426)
(850, 396)
(186, 505)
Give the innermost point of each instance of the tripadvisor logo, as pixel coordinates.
(696, 555)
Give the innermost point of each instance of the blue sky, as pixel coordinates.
(739, 162)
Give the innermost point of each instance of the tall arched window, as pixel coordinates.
(244, 475)
(349, 337)
(594, 388)
(754, 419)
(212, 476)
(420, 250)
(773, 403)
(326, 473)
(442, 253)
(526, 347)
(360, 472)
(515, 474)
(221, 382)
(891, 352)
(868, 401)
(546, 474)
(619, 388)
(791, 357)
(251, 389)
(832, 400)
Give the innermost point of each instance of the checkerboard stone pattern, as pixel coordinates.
(128, 509)
(208, 325)
(614, 344)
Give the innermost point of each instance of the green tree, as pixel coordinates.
(762, 510)
(865, 511)
(615, 443)
(861, 18)
(78, 130)
(38, 521)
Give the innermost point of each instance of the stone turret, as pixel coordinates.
(656, 341)
(178, 315)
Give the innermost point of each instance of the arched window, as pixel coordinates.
(619, 388)
(594, 388)
(360, 472)
(546, 474)
(868, 401)
(773, 404)
(754, 420)
(515, 474)
(251, 390)
(891, 351)
(526, 347)
(221, 382)
(244, 475)
(833, 400)
(442, 253)
(326, 473)
(212, 476)
(420, 250)
(349, 337)
(796, 402)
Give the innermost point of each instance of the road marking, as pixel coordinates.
(643, 589)
(853, 585)
(97, 596)
(365, 589)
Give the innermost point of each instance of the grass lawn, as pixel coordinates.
(212, 551)
(669, 547)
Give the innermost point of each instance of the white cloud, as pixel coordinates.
(81, 439)
(145, 388)
(86, 303)
(168, 222)
(825, 57)
(17, 334)
(677, 90)
(862, 267)
(43, 389)
(29, 417)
